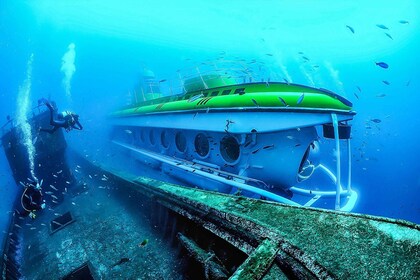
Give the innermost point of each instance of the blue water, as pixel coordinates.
(113, 42)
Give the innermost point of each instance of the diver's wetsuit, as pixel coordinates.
(68, 122)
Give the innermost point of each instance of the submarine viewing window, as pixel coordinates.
(226, 92)
(201, 145)
(164, 140)
(152, 137)
(181, 142)
(214, 93)
(229, 149)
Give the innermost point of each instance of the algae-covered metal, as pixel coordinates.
(320, 244)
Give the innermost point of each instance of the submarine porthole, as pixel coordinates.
(229, 149)
(164, 140)
(181, 142)
(152, 137)
(201, 145)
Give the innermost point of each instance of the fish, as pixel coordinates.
(300, 99)
(78, 166)
(35, 140)
(162, 81)
(290, 137)
(90, 176)
(54, 188)
(382, 64)
(381, 95)
(408, 83)
(73, 203)
(32, 228)
(269, 54)
(67, 182)
(386, 82)
(104, 179)
(255, 151)
(350, 28)
(356, 96)
(57, 223)
(255, 102)
(403, 21)
(144, 243)
(376, 120)
(56, 214)
(305, 58)
(58, 172)
(381, 26)
(268, 147)
(297, 145)
(18, 226)
(55, 176)
(283, 102)
(53, 196)
(123, 260)
(286, 81)
(389, 36)
(49, 193)
(360, 90)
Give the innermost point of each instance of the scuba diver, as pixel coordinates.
(66, 119)
(31, 199)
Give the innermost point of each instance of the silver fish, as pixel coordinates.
(300, 99)
(382, 26)
(389, 36)
(350, 28)
(283, 102)
(255, 102)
